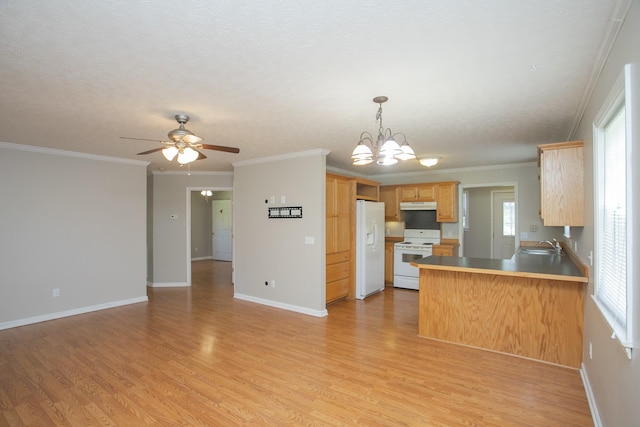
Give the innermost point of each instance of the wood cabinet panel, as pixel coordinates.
(447, 198)
(336, 290)
(442, 250)
(337, 271)
(530, 317)
(388, 263)
(338, 241)
(418, 193)
(390, 195)
(562, 183)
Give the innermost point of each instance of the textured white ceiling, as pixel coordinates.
(477, 82)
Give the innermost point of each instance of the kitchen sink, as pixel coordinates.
(538, 251)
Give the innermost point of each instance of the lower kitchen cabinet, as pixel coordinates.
(445, 250)
(388, 263)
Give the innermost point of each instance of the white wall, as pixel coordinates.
(614, 379)
(169, 238)
(201, 226)
(274, 249)
(69, 221)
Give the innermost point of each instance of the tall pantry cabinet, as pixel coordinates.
(338, 238)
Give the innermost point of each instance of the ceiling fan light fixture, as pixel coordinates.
(170, 152)
(187, 155)
(430, 161)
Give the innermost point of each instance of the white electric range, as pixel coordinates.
(416, 244)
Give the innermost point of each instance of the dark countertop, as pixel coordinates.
(551, 267)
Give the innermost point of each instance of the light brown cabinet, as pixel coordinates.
(390, 196)
(445, 250)
(447, 198)
(342, 193)
(338, 237)
(388, 263)
(562, 183)
(418, 193)
(366, 189)
(445, 194)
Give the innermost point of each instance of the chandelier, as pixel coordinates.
(384, 149)
(206, 194)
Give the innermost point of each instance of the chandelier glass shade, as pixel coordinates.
(384, 149)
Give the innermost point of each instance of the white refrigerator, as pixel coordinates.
(369, 248)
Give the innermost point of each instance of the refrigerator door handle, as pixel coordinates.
(375, 236)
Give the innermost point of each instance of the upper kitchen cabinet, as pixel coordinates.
(366, 189)
(562, 183)
(418, 193)
(390, 195)
(447, 198)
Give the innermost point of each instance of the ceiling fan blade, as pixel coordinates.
(201, 156)
(142, 139)
(221, 148)
(152, 151)
(191, 139)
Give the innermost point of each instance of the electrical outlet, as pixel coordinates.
(524, 235)
(56, 292)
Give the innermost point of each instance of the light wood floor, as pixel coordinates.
(199, 357)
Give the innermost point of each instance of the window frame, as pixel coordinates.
(623, 94)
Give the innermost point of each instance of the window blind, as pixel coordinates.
(611, 282)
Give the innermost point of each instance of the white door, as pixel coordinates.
(504, 226)
(221, 229)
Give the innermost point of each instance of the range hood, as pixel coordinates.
(418, 206)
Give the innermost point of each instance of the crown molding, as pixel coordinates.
(298, 154)
(76, 154)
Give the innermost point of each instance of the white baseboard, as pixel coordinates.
(73, 312)
(168, 285)
(597, 422)
(296, 308)
(201, 258)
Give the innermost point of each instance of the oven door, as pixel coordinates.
(402, 258)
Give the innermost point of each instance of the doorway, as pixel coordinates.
(478, 224)
(503, 224)
(202, 223)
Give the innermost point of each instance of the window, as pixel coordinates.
(508, 218)
(614, 293)
(465, 210)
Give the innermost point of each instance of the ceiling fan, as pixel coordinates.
(184, 144)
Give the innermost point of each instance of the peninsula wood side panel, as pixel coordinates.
(530, 317)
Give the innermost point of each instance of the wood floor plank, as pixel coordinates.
(197, 356)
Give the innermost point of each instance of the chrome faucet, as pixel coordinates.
(555, 245)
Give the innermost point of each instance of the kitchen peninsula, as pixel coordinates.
(530, 305)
